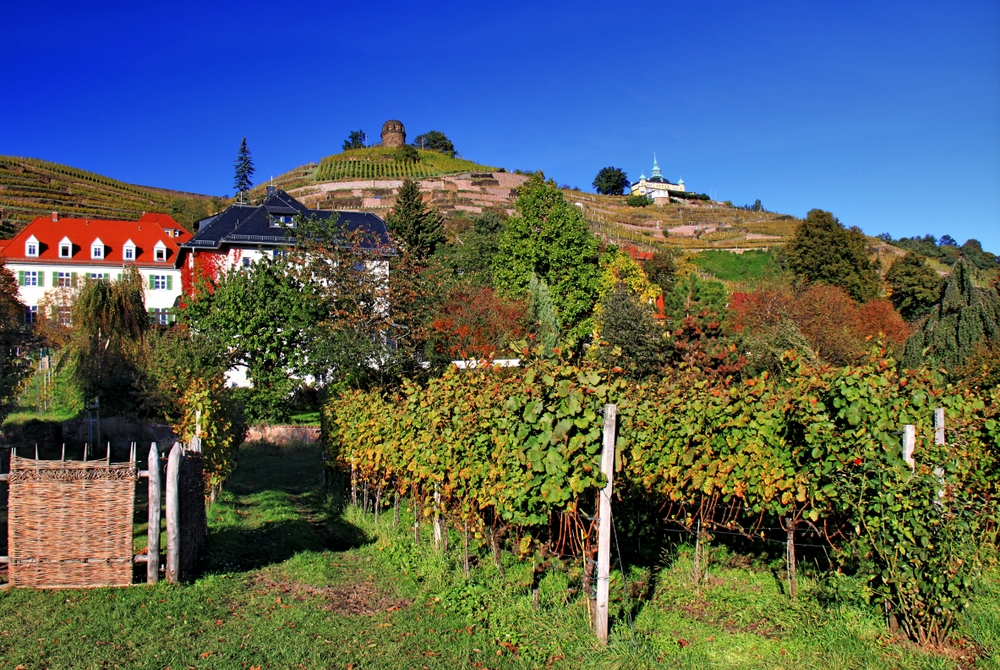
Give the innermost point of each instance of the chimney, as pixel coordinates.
(55, 216)
(271, 191)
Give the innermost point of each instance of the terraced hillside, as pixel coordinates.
(30, 187)
(692, 225)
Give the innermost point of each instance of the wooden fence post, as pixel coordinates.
(909, 445)
(604, 525)
(173, 513)
(939, 425)
(437, 518)
(153, 529)
(790, 559)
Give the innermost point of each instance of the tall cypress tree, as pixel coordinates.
(965, 317)
(242, 181)
(413, 226)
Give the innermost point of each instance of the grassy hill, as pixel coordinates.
(30, 187)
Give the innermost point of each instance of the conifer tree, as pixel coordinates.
(414, 227)
(542, 314)
(823, 251)
(966, 317)
(242, 181)
(627, 327)
(915, 286)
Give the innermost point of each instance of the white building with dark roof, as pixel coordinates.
(656, 186)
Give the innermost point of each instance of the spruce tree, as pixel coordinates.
(242, 181)
(630, 336)
(966, 317)
(414, 227)
(542, 314)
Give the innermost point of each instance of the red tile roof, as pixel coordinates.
(144, 233)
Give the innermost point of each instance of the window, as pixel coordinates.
(98, 275)
(32, 250)
(64, 279)
(65, 250)
(160, 316)
(159, 282)
(280, 221)
(97, 251)
(130, 253)
(246, 263)
(31, 247)
(65, 316)
(30, 314)
(30, 278)
(160, 252)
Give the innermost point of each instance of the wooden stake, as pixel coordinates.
(465, 548)
(790, 559)
(395, 511)
(437, 517)
(909, 445)
(939, 425)
(696, 574)
(604, 525)
(153, 529)
(354, 484)
(378, 501)
(173, 513)
(416, 518)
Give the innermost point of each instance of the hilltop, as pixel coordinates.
(30, 187)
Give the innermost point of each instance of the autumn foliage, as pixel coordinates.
(475, 323)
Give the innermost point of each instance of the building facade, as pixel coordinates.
(656, 186)
(52, 257)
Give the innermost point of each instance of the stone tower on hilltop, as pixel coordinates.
(393, 134)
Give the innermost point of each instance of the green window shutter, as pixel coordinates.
(20, 277)
(55, 279)
(150, 310)
(72, 278)
(55, 312)
(170, 283)
(41, 278)
(152, 282)
(119, 276)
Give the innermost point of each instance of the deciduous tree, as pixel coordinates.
(611, 181)
(914, 286)
(356, 140)
(550, 238)
(435, 140)
(14, 363)
(824, 251)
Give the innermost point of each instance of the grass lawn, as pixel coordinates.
(291, 582)
(732, 267)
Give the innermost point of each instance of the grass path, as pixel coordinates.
(290, 582)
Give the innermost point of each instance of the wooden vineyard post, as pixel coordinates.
(416, 518)
(437, 518)
(395, 511)
(173, 513)
(153, 529)
(604, 525)
(696, 570)
(909, 445)
(790, 559)
(939, 425)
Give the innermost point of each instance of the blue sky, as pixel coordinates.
(887, 114)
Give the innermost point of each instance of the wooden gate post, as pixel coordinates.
(153, 529)
(604, 527)
(173, 513)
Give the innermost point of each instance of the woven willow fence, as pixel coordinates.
(70, 523)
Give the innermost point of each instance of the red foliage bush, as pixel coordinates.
(475, 323)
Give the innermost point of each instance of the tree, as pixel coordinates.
(106, 346)
(470, 257)
(630, 336)
(414, 227)
(242, 181)
(550, 238)
(14, 363)
(542, 315)
(914, 286)
(356, 140)
(966, 317)
(475, 323)
(611, 181)
(824, 251)
(435, 140)
(406, 154)
(661, 269)
(265, 317)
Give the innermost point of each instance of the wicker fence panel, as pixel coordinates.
(70, 523)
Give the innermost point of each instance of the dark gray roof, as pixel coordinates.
(252, 225)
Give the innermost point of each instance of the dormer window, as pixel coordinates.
(128, 250)
(31, 247)
(65, 248)
(97, 250)
(282, 221)
(160, 252)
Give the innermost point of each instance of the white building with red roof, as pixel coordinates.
(53, 255)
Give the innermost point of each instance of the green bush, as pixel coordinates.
(638, 201)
